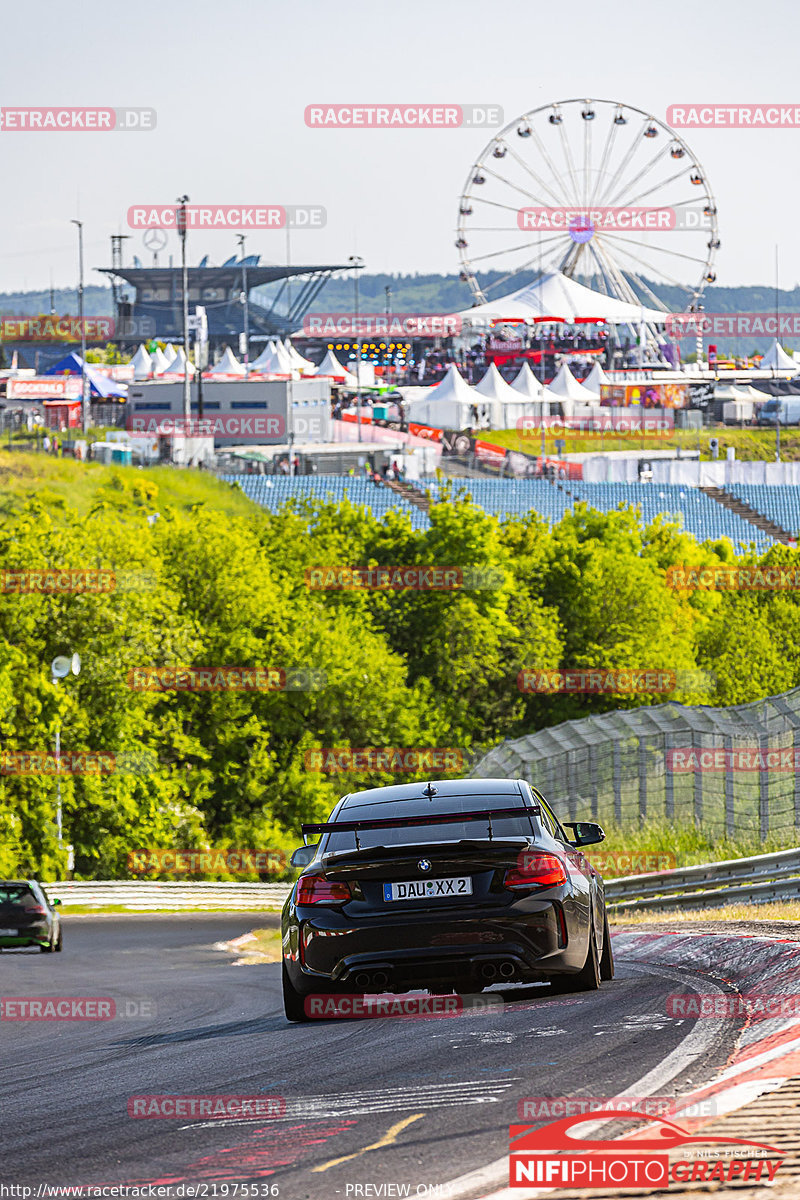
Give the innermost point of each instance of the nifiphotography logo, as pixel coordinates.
(555, 1156)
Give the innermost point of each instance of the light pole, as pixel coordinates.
(245, 302)
(84, 405)
(59, 669)
(357, 264)
(187, 393)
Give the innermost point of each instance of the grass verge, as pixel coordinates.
(776, 910)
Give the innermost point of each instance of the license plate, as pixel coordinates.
(8, 932)
(428, 889)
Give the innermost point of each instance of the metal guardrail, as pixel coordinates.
(172, 896)
(759, 879)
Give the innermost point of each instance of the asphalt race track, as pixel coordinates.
(417, 1102)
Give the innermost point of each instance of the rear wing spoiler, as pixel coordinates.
(480, 814)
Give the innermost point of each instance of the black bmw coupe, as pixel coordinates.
(451, 885)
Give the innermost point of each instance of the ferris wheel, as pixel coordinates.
(602, 192)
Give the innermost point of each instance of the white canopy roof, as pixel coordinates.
(565, 386)
(170, 353)
(527, 383)
(227, 365)
(141, 363)
(296, 358)
(177, 365)
(274, 360)
(159, 360)
(555, 295)
(493, 386)
(595, 377)
(449, 405)
(330, 365)
(777, 357)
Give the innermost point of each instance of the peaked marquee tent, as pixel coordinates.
(777, 358)
(555, 295)
(141, 363)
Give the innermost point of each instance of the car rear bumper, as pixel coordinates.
(525, 940)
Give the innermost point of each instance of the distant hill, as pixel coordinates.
(421, 293)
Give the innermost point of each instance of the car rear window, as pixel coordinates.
(451, 831)
(17, 894)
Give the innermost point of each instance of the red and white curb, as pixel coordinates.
(767, 1050)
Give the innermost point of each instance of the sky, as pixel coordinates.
(230, 84)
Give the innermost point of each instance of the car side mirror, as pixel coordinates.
(585, 833)
(54, 903)
(303, 855)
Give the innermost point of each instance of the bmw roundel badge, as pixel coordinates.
(424, 864)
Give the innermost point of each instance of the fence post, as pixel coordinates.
(698, 785)
(796, 747)
(642, 758)
(593, 780)
(669, 782)
(570, 776)
(617, 772)
(763, 787)
(730, 819)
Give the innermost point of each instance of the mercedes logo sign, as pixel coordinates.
(155, 240)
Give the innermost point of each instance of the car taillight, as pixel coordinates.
(536, 870)
(316, 889)
(37, 909)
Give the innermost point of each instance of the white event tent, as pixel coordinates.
(449, 405)
(141, 363)
(170, 353)
(527, 384)
(595, 378)
(505, 405)
(566, 387)
(177, 364)
(227, 365)
(299, 363)
(557, 296)
(158, 361)
(777, 358)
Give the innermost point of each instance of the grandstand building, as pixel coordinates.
(151, 305)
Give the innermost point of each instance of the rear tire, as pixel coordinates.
(588, 978)
(292, 1000)
(607, 960)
